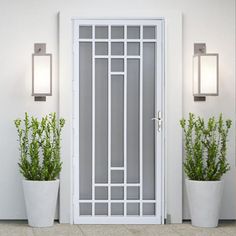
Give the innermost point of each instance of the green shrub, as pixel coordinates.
(205, 147)
(39, 142)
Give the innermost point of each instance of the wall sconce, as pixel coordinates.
(41, 72)
(205, 73)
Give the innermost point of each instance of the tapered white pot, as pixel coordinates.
(204, 199)
(40, 201)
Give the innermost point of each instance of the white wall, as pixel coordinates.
(22, 23)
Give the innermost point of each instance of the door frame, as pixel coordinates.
(173, 111)
(159, 216)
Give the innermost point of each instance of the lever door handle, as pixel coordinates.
(158, 119)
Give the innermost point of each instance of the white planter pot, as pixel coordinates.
(204, 199)
(40, 201)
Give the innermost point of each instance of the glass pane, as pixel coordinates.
(101, 209)
(85, 121)
(209, 74)
(117, 32)
(132, 208)
(133, 32)
(117, 65)
(117, 176)
(133, 120)
(149, 32)
(101, 48)
(133, 193)
(85, 208)
(133, 49)
(149, 209)
(117, 48)
(101, 193)
(101, 130)
(148, 127)
(117, 121)
(85, 32)
(101, 32)
(117, 193)
(117, 208)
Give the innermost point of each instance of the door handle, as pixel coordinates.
(158, 119)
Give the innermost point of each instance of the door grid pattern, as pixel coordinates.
(117, 148)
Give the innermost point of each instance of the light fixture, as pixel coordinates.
(41, 72)
(205, 73)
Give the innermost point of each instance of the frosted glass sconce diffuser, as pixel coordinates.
(41, 73)
(205, 73)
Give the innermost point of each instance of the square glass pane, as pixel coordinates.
(117, 176)
(133, 32)
(149, 32)
(101, 48)
(117, 65)
(101, 32)
(117, 48)
(101, 193)
(101, 209)
(117, 209)
(85, 208)
(117, 32)
(133, 209)
(117, 193)
(149, 209)
(133, 49)
(133, 193)
(85, 32)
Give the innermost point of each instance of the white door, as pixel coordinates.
(118, 89)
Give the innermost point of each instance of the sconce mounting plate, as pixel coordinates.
(199, 99)
(199, 48)
(40, 99)
(40, 48)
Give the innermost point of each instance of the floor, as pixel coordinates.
(21, 229)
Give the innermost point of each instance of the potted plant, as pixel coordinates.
(40, 165)
(205, 164)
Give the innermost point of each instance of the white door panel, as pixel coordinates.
(118, 89)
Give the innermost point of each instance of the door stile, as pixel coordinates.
(109, 120)
(141, 121)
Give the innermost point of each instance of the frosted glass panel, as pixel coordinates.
(149, 32)
(101, 48)
(85, 32)
(117, 32)
(149, 208)
(101, 209)
(132, 208)
(42, 74)
(148, 125)
(133, 49)
(117, 176)
(101, 130)
(85, 208)
(133, 120)
(85, 121)
(117, 193)
(208, 74)
(101, 32)
(117, 121)
(133, 193)
(117, 48)
(117, 65)
(101, 193)
(117, 208)
(133, 32)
